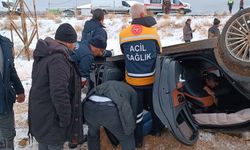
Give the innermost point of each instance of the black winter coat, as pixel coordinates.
(54, 112)
(10, 84)
(93, 28)
(84, 58)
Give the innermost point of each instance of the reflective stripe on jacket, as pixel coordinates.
(140, 46)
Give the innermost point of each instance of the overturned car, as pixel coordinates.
(179, 99)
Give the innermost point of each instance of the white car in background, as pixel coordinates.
(131, 3)
(177, 6)
(8, 5)
(113, 6)
(110, 6)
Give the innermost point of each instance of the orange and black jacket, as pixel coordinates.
(140, 45)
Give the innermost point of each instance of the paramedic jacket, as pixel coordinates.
(140, 45)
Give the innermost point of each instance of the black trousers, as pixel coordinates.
(145, 101)
(42, 146)
(98, 115)
(230, 7)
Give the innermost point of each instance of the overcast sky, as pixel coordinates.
(198, 6)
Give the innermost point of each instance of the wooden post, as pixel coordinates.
(24, 29)
(22, 33)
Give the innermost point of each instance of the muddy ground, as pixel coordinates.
(207, 140)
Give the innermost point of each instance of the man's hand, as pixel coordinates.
(20, 98)
(211, 93)
(84, 82)
(208, 90)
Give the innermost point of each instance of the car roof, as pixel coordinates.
(190, 47)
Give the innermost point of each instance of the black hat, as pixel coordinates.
(98, 42)
(66, 33)
(98, 14)
(216, 21)
(188, 20)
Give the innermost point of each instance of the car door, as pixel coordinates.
(170, 106)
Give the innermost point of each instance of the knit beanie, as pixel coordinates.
(98, 42)
(216, 21)
(66, 33)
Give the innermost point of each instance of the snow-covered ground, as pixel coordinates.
(170, 31)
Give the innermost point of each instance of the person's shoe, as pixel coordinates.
(73, 145)
(156, 133)
(84, 139)
(138, 144)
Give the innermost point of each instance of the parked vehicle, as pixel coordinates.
(177, 6)
(179, 99)
(68, 13)
(8, 7)
(114, 6)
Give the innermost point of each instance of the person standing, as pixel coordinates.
(166, 6)
(54, 101)
(214, 30)
(241, 4)
(140, 44)
(11, 90)
(94, 27)
(230, 4)
(187, 31)
(114, 104)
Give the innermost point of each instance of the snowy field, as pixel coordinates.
(170, 31)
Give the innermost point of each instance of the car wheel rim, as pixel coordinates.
(238, 38)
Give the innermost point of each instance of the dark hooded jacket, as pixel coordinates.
(54, 112)
(93, 28)
(125, 98)
(213, 32)
(10, 84)
(84, 58)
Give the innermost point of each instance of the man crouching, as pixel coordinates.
(111, 105)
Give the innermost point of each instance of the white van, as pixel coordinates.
(114, 6)
(177, 6)
(8, 5)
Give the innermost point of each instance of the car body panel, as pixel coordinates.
(168, 102)
(172, 112)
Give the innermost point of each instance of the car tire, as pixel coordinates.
(233, 53)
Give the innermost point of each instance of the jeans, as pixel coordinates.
(42, 146)
(7, 131)
(107, 116)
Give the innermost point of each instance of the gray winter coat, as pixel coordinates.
(125, 98)
(187, 32)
